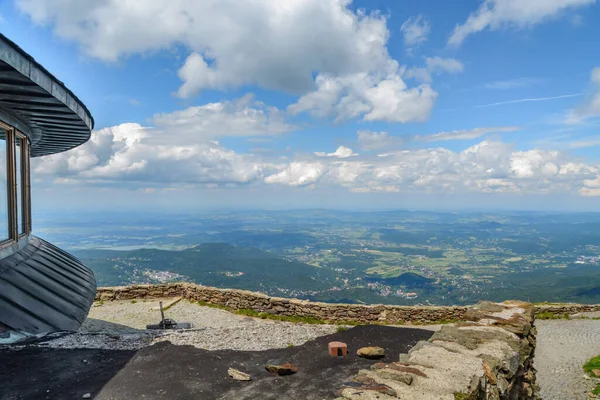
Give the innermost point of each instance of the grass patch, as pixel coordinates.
(211, 305)
(291, 318)
(551, 315)
(592, 364)
(341, 329)
(248, 312)
(133, 301)
(290, 345)
(463, 396)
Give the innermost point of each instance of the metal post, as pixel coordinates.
(162, 315)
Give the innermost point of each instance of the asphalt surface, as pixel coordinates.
(172, 371)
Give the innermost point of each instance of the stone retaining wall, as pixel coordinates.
(491, 359)
(488, 355)
(567, 308)
(241, 299)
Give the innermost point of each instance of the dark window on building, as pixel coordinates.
(4, 184)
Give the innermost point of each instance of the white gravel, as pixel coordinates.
(563, 346)
(121, 325)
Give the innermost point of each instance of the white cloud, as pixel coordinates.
(369, 140)
(513, 83)
(298, 174)
(179, 148)
(241, 117)
(415, 31)
(136, 157)
(341, 152)
(591, 107)
(434, 65)
(373, 98)
(466, 134)
(276, 45)
(271, 43)
(496, 14)
(527, 100)
(439, 64)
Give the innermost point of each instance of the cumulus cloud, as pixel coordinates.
(375, 99)
(271, 43)
(415, 31)
(241, 117)
(297, 174)
(496, 14)
(134, 156)
(341, 152)
(434, 66)
(277, 45)
(133, 153)
(180, 147)
(591, 107)
(369, 140)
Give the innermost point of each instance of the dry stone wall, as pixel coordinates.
(487, 355)
(490, 359)
(242, 299)
(567, 308)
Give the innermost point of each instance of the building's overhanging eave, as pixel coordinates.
(39, 105)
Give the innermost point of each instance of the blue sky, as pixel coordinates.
(323, 102)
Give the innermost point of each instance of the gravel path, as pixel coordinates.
(563, 346)
(121, 325)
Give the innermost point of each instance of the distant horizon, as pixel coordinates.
(209, 210)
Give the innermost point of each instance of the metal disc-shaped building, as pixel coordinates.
(42, 288)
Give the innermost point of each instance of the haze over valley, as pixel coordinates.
(394, 257)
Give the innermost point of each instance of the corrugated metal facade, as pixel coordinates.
(44, 289)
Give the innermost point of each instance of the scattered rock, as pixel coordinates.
(371, 352)
(238, 375)
(281, 369)
(337, 349)
(596, 372)
(87, 395)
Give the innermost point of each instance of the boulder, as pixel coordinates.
(281, 369)
(374, 352)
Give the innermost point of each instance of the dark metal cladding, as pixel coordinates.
(40, 105)
(44, 289)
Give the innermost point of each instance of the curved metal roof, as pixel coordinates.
(36, 103)
(44, 289)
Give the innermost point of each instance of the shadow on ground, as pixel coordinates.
(98, 325)
(185, 372)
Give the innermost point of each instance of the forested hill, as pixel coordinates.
(213, 264)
